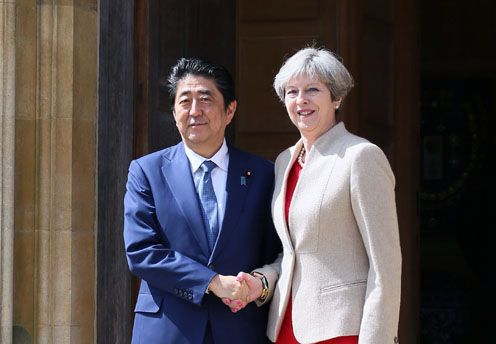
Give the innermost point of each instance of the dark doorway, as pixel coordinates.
(458, 88)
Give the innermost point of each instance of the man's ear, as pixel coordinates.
(231, 109)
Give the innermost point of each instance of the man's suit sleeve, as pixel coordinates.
(148, 251)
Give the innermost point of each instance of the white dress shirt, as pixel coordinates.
(218, 175)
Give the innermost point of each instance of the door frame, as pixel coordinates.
(117, 133)
(115, 151)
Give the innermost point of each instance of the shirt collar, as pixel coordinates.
(220, 158)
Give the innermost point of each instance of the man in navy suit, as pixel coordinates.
(186, 268)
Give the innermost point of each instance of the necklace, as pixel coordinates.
(301, 155)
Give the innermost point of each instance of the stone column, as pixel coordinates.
(55, 171)
(7, 148)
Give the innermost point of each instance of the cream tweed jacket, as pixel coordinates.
(341, 259)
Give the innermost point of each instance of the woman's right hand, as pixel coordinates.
(254, 287)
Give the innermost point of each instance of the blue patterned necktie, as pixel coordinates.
(209, 201)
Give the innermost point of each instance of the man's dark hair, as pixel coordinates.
(198, 67)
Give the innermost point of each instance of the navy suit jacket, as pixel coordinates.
(167, 248)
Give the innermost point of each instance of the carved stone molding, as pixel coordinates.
(7, 147)
(55, 148)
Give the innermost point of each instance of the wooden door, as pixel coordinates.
(388, 114)
(267, 31)
(377, 41)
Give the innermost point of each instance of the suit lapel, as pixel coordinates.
(177, 174)
(280, 209)
(236, 195)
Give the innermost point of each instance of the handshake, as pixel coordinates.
(236, 291)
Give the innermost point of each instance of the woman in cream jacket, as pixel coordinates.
(339, 275)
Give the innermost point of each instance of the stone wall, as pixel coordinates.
(7, 133)
(54, 203)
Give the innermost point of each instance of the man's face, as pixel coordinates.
(200, 114)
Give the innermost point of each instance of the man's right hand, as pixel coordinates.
(228, 287)
(254, 288)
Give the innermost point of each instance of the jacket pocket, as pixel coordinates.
(334, 287)
(148, 303)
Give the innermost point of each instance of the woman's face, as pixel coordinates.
(309, 105)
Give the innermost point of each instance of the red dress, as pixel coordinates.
(286, 335)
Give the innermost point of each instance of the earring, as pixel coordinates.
(337, 107)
